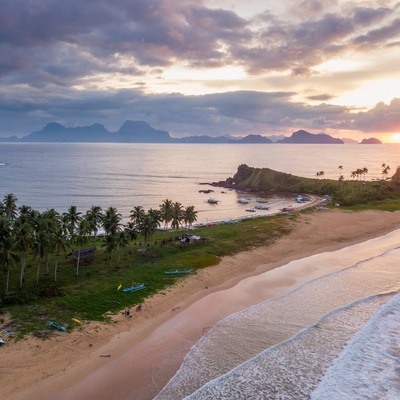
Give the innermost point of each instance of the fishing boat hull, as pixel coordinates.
(57, 326)
(133, 288)
(178, 272)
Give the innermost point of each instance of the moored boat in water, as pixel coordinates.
(212, 201)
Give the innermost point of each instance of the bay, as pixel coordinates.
(57, 175)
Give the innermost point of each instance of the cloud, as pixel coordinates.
(320, 97)
(133, 35)
(148, 32)
(382, 118)
(79, 62)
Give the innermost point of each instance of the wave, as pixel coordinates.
(367, 368)
(293, 369)
(245, 334)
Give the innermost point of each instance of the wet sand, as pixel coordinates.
(135, 357)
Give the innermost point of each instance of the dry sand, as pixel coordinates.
(107, 361)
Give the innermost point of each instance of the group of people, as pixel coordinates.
(127, 311)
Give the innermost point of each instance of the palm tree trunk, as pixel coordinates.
(55, 269)
(23, 257)
(77, 262)
(8, 279)
(47, 263)
(38, 271)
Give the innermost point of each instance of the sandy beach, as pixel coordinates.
(106, 361)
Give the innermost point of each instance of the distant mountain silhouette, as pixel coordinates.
(54, 132)
(142, 132)
(305, 137)
(349, 141)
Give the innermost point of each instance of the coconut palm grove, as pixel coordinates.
(44, 240)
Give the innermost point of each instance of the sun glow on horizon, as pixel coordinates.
(394, 138)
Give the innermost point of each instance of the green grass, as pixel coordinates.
(93, 294)
(384, 205)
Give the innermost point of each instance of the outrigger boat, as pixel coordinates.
(212, 201)
(135, 287)
(4, 333)
(57, 326)
(261, 207)
(178, 272)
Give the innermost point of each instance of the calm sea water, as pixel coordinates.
(56, 176)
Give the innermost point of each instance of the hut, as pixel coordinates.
(85, 256)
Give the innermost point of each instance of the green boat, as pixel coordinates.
(178, 272)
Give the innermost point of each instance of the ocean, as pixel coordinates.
(57, 175)
(334, 337)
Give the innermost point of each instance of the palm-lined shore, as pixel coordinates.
(24, 230)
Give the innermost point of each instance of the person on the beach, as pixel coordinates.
(139, 307)
(127, 312)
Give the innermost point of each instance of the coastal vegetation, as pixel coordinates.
(354, 192)
(63, 266)
(69, 266)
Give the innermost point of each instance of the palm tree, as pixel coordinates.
(94, 217)
(25, 213)
(122, 240)
(341, 180)
(51, 222)
(8, 256)
(60, 244)
(110, 244)
(189, 216)
(166, 212)
(10, 207)
(83, 233)
(5, 228)
(340, 167)
(24, 239)
(155, 215)
(40, 248)
(131, 229)
(112, 221)
(71, 220)
(365, 172)
(385, 170)
(147, 227)
(176, 217)
(137, 213)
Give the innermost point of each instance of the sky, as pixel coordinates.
(193, 67)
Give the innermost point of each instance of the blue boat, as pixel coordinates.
(133, 288)
(57, 326)
(178, 272)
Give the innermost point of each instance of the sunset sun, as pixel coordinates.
(395, 138)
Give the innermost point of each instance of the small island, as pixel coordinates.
(371, 141)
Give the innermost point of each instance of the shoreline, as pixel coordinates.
(79, 361)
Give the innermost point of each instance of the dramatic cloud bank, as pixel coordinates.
(201, 67)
